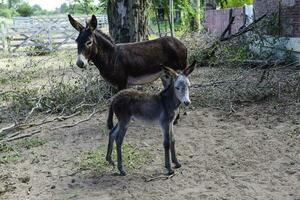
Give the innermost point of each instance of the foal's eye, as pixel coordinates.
(177, 88)
(88, 43)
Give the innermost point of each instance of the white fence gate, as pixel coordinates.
(40, 34)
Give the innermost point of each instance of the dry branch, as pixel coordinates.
(244, 30)
(159, 178)
(7, 128)
(81, 121)
(37, 106)
(22, 136)
(23, 126)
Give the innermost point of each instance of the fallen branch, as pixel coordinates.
(22, 136)
(213, 83)
(83, 105)
(23, 126)
(37, 106)
(159, 178)
(9, 91)
(228, 27)
(81, 121)
(244, 30)
(7, 128)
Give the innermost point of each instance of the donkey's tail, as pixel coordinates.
(110, 123)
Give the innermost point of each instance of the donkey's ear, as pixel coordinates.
(75, 23)
(93, 23)
(169, 71)
(188, 70)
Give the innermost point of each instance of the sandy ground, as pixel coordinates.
(251, 154)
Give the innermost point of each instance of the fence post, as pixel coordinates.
(3, 32)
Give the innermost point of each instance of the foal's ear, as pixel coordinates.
(169, 71)
(188, 70)
(75, 23)
(93, 23)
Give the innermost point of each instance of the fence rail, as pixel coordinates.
(41, 33)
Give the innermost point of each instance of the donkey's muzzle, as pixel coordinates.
(80, 64)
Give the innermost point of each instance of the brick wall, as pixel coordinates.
(289, 11)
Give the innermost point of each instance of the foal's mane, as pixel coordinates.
(165, 90)
(106, 36)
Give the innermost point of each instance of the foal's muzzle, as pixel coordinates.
(186, 103)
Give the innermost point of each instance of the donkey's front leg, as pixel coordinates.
(165, 129)
(173, 152)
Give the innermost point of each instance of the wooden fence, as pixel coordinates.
(40, 34)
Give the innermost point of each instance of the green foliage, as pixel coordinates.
(25, 10)
(187, 11)
(7, 12)
(85, 7)
(132, 158)
(13, 3)
(236, 3)
(37, 10)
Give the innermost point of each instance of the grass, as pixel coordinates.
(4, 147)
(29, 143)
(9, 158)
(7, 148)
(133, 158)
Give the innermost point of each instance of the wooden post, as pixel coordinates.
(3, 32)
(171, 7)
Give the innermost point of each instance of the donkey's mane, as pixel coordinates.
(106, 36)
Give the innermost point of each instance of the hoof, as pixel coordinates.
(177, 165)
(170, 172)
(122, 173)
(110, 161)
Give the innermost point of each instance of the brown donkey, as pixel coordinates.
(160, 108)
(127, 64)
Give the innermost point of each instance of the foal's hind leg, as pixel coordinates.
(165, 129)
(119, 141)
(172, 147)
(112, 136)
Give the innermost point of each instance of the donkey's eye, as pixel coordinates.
(177, 88)
(88, 43)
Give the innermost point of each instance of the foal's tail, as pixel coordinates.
(110, 123)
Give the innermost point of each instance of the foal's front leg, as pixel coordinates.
(173, 152)
(166, 142)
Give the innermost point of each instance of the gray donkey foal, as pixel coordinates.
(161, 108)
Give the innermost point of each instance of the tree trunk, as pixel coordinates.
(128, 20)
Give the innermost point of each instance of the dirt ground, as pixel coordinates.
(251, 154)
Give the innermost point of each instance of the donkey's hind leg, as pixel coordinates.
(112, 136)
